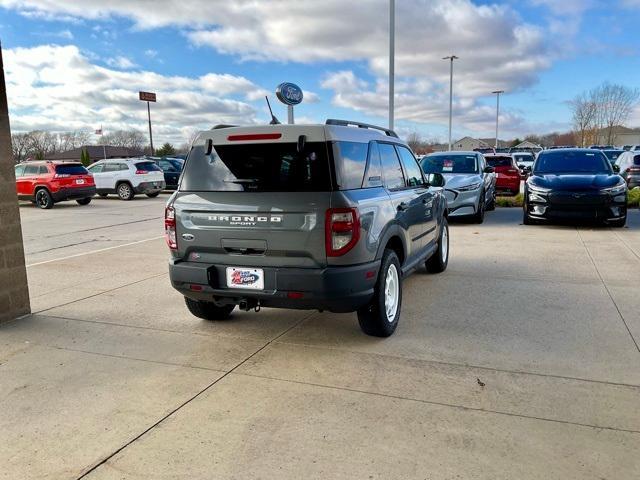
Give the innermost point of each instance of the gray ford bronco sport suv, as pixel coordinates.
(327, 217)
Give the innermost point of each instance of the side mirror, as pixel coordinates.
(489, 170)
(616, 168)
(436, 180)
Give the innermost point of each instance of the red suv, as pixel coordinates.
(46, 183)
(507, 173)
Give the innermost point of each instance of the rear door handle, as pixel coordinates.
(403, 206)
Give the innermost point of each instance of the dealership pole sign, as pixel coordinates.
(290, 94)
(148, 97)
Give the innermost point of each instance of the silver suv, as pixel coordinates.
(327, 217)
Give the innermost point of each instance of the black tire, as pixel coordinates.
(373, 318)
(208, 310)
(478, 217)
(125, 191)
(492, 204)
(44, 199)
(103, 195)
(84, 201)
(618, 223)
(526, 219)
(153, 195)
(438, 262)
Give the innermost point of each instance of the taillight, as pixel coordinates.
(170, 228)
(141, 172)
(342, 230)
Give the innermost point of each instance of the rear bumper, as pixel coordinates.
(73, 193)
(336, 289)
(150, 187)
(508, 184)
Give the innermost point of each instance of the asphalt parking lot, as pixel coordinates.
(521, 361)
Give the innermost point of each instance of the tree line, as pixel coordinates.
(596, 113)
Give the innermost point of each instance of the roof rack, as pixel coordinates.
(346, 123)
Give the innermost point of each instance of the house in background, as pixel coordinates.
(96, 152)
(620, 136)
(469, 144)
(528, 146)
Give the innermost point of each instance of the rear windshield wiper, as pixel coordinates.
(243, 180)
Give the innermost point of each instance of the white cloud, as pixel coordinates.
(120, 62)
(58, 88)
(497, 48)
(151, 53)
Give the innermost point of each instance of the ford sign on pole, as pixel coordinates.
(290, 94)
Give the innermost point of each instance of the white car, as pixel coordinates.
(127, 177)
(524, 160)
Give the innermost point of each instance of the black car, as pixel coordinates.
(576, 184)
(172, 168)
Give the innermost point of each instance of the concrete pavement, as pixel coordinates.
(520, 361)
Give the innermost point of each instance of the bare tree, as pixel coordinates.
(42, 143)
(414, 141)
(19, 146)
(615, 104)
(74, 139)
(125, 138)
(583, 110)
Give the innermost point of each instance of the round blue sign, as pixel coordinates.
(289, 93)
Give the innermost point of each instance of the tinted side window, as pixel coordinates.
(373, 176)
(414, 174)
(19, 170)
(393, 177)
(31, 170)
(123, 167)
(147, 167)
(43, 170)
(350, 159)
(96, 168)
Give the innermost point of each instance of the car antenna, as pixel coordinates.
(274, 120)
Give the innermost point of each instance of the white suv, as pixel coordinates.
(127, 176)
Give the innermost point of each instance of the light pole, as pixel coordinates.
(392, 35)
(451, 58)
(497, 92)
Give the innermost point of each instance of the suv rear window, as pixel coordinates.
(499, 161)
(258, 167)
(71, 170)
(148, 167)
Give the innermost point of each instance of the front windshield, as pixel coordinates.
(563, 161)
(450, 163)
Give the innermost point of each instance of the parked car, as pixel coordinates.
(507, 173)
(524, 160)
(326, 217)
(612, 154)
(575, 184)
(172, 168)
(628, 164)
(46, 183)
(470, 182)
(127, 177)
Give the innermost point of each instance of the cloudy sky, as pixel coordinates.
(78, 65)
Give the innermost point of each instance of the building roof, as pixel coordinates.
(528, 144)
(97, 152)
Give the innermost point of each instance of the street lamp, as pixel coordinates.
(392, 35)
(497, 92)
(452, 58)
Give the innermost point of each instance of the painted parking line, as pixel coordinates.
(94, 251)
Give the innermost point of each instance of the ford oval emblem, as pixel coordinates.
(188, 237)
(289, 93)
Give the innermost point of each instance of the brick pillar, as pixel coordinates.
(14, 291)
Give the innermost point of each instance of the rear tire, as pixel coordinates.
(208, 310)
(84, 201)
(153, 195)
(44, 199)
(438, 262)
(125, 192)
(380, 317)
(492, 204)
